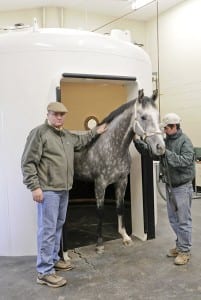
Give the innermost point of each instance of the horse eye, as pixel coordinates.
(143, 118)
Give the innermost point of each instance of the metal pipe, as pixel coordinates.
(62, 17)
(43, 17)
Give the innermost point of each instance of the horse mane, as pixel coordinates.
(117, 112)
(111, 117)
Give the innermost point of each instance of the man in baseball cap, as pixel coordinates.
(177, 171)
(170, 118)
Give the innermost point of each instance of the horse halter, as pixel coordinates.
(144, 135)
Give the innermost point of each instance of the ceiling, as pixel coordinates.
(113, 8)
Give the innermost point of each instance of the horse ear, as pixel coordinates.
(140, 95)
(155, 94)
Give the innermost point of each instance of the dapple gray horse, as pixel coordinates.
(107, 160)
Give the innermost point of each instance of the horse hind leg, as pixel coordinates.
(120, 189)
(122, 230)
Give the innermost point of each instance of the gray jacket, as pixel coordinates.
(48, 157)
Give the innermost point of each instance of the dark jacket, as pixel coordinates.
(179, 155)
(48, 157)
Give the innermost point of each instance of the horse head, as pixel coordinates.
(146, 122)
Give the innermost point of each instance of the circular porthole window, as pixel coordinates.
(90, 122)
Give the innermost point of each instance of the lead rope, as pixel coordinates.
(169, 188)
(144, 135)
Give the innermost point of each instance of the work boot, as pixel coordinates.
(182, 258)
(62, 265)
(173, 252)
(51, 280)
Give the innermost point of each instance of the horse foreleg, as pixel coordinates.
(99, 245)
(100, 193)
(120, 189)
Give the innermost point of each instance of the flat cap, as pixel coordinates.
(57, 107)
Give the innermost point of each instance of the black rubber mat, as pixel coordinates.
(81, 224)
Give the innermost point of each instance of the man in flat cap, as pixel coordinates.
(47, 167)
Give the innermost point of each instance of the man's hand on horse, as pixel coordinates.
(102, 128)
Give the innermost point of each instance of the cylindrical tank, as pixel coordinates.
(32, 63)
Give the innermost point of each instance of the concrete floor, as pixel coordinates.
(140, 271)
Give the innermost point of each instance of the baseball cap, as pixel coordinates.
(170, 118)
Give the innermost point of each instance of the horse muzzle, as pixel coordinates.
(160, 149)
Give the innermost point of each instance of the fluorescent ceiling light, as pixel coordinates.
(136, 4)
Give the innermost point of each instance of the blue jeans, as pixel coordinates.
(51, 217)
(180, 220)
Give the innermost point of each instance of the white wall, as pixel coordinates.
(180, 63)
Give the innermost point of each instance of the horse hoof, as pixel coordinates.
(65, 255)
(99, 249)
(128, 242)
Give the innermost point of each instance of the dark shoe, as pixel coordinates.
(182, 258)
(63, 265)
(51, 280)
(173, 252)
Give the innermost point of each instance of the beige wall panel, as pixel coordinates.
(179, 64)
(90, 99)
